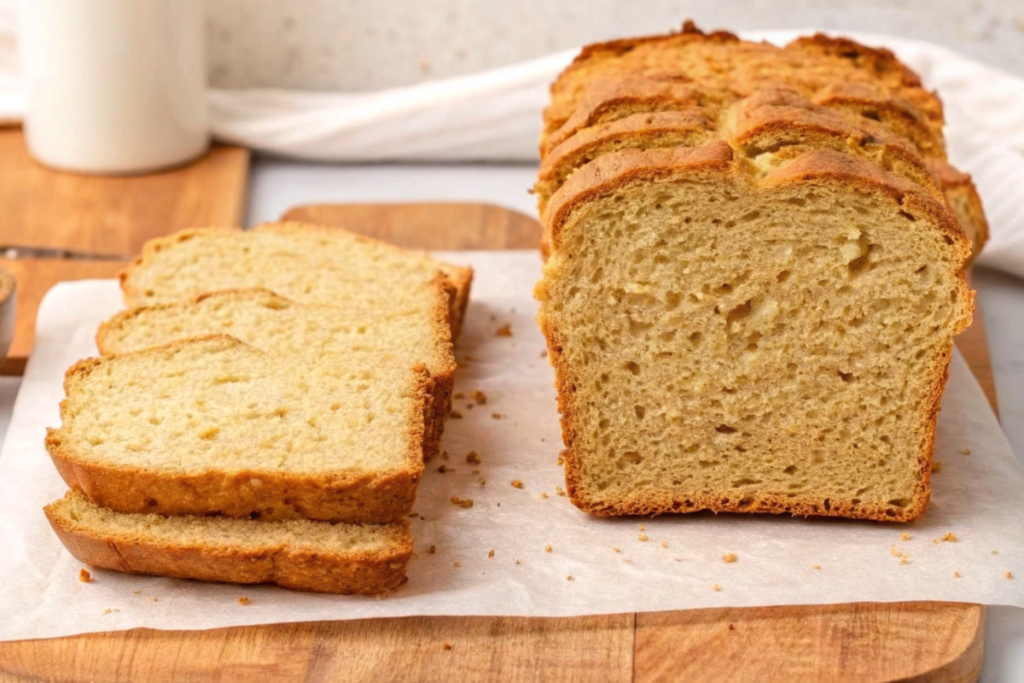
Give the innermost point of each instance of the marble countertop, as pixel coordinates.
(277, 185)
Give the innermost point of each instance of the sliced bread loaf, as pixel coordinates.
(365, 559)
(306, 263)
(311, 335)
(733, 339)
(216, 426)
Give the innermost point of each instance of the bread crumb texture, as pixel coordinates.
(753, 277)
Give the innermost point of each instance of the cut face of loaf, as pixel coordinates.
(216, 426)
(308, 264)
(409, 335)
(366, 559)
(732, 339)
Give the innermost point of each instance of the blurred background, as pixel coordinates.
(368, 44)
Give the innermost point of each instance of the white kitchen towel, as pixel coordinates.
(495, 116)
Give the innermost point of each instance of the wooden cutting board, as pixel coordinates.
(49, 217)
(855, 642)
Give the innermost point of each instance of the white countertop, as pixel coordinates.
(277, 185)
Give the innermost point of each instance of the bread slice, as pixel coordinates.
(308, 264)
(216, 426)
(314, 336)
(366, 559)
(735, 337)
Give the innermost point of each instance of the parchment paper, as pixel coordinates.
(979, 497)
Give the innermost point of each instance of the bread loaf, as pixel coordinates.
(754, 277)
(315, 556)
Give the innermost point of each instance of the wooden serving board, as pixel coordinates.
(916, 641)
(58, 226)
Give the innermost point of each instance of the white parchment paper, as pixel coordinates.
(979, 497)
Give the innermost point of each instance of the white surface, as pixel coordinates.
(39, 579)
(114, 86)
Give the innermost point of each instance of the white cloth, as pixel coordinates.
(495, 116)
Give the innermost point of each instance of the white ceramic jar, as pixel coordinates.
(114, 86)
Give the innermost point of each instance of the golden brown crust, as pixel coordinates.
(365, 573)
(345, 496)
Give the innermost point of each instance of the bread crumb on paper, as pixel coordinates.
(936, 466)
(994, 552)
(517, 484)
(643, 538)
(154, 600)
(483, 482)
(905, 537)
(543, 494)
(569, 578)
(456, 564)
(519, 561)
(618, 550)
(243, 600)
(432, 550)
(663, 544)
(715, 587)
(956, 575)
(447, 646)
(444, 468)
(458, 395)
(559, 490)
(904, 560)
(894, 552)
(1007, 575)
(490, 555)
(560, 461)
(966, 451)
(729, 557)
(473, 458)
(547, 548)
(815, 566)
(496, 416)
(136, 592)
(110, 611)
(478, 396)
(503, 331)
(462, 502)
(948, 537)
(455, 415)
(544, 353)
(84, 576)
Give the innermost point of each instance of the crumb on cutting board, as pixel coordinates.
(456, 564)
(444, 468)
(569, 578)
(543, 494)
(447, 646)
(994, 552)
(496, 416)
(715, 587)
(455, 415)
(729, 557)
(490, 555)
(243, 600)
(815, 566)
(559, 490)
(483, 482)
(643, 538)
(948, 537)
(1007, 575)
(905, 536)
(547, 548)
(956, 575)
(503, 331)
(936, 466)
(478, 396)
(136, 592)
(517, 484)
(966, 451)
(473, 458)
(462, 502)
(84, 576)
(663, 544)
(432, 550)
(618, 550)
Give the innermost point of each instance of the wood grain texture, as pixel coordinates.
(863, 642)
(50, 209)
